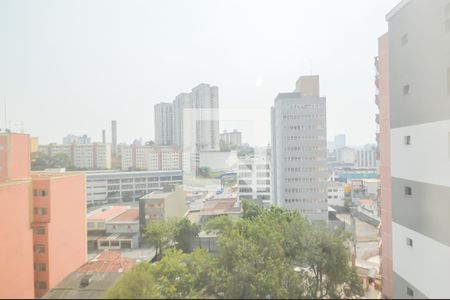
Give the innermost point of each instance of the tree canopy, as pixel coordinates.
(268, 253)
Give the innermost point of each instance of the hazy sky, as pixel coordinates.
(72, 66)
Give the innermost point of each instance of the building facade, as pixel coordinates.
(231, 139)
(253, 180)
(366, 157)
(114, 187)
(114, 138)
(43, 222)
(299, 150)
(164, 123)
(74, 139)
(383, 139)
(151, 158)
(419, 89)
(83, 156)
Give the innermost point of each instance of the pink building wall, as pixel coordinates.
(16, 236)
(385, 166)
(65, 225)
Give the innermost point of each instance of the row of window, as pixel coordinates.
(306, 106)
(40, 211)
(302, 117)
(306, 127)
(303, 190)
(39, 193)
(304, 201)
(300, 179)
(304, 148)
(305, 169)
(304, 137)
(303, 158)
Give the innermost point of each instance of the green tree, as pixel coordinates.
(184, 234)
(218, 224)
(250, 209)
(60, 160)
(159, 234)
(204, 172)
(139, 283)
(39, 161)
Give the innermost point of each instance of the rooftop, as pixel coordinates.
(130, 215)
(107, 213)
(106, 262)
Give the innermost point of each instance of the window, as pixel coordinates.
(115, 244)
(35, 193)
(104, 243)
(408, 191)
(406, 89)
(40, 285)
(409, 292)
(39, 230)
(404, 39)
(39, 248)
(40, 267)
(407, 140)
(41, 211)
(409, 242)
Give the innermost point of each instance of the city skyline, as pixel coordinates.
(134, 64)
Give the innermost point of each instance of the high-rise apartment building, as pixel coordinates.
(114, 138)
(196, 123)
(382, 101)
(83, 156)
(419, 85)
(42, 222)
(103, 136)
(231, 139)
(299, 150)
(164, 123)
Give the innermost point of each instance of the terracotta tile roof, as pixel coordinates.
(129, 216)
(108, 213)
(107, 262)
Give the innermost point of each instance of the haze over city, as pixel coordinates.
(75, 67)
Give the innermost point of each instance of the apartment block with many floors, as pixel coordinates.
(43, 222)
(151, 158)
(83, 156)
(419, 85)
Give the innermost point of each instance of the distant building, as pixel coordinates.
(83, 156)
(367, 157)
(151, 158)
(42, 227)
(74, 139)
(299, 150)
(231, 139)
(103, 136)
(218, 161)
(114, 228)
(336, 193)
(340, 141)
(114, 138)
(93, 279)
(196, 123)
(253, 180)
(113, 187)
(160, 205)
(419, 88)
(34, 144)
(346, 156)
(164, 123)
